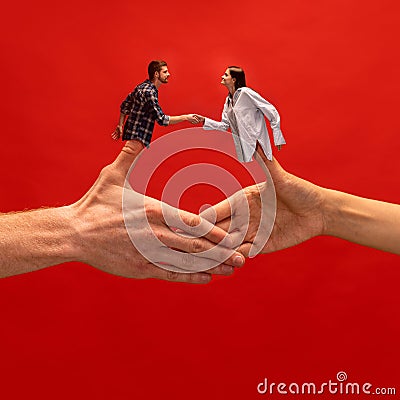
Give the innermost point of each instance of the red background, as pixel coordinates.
(300, 315)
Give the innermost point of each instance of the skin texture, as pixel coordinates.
(298, 218)
(92, 231)
(305, 210)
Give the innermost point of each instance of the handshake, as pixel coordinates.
(94, 229)
(195, 118)
(192, 118)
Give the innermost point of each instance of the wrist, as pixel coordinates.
(83, 228)
(334, 211)
(71, 239)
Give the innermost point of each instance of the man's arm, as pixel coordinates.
(182, 118)
(36, 239)
(118, 130)
(122, 118)
(163, 119)
(93, 230)
(125, 110)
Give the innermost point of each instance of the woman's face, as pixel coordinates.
(227, 79)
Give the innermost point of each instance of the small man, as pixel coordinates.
(141, 109)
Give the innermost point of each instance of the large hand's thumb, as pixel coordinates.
(127, 156)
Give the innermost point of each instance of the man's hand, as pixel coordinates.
(117, 133)
(104, 241)
(193, 118)
(93, 231)
(199, 118)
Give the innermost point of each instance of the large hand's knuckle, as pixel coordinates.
(161, 236)
(172, 275)
(196, 246)
(188, 260)
(148, 238)
(149, 208)
(152, 211)
(192, 221)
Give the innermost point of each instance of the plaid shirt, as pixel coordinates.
(142, 109)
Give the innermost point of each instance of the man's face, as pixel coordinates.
(163, 75)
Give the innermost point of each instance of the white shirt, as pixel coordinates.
(244, 115)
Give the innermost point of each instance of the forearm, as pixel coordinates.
(122, 118)
(367, 222)
(176, 119)
(36, 239)
(210, 124)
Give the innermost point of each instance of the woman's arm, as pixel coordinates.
(305, 210)
(269, 111)
(364, 221)
(210, 124)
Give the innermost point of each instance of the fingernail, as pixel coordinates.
(238, 261)
(205, 278)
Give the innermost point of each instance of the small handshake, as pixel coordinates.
(195, 118)
(192, 118)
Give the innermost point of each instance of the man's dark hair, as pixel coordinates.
(155, 66)
(238, 74)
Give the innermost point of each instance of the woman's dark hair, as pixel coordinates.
(155, 66)
(238, 74)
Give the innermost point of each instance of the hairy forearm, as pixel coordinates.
(367, 222)
(36, 239)
(176, 119)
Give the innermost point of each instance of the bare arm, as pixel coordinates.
(36, 239)
(305, 210)
(118, 130)
(122, 118)
(367, 222)
(125, 109)
(163, 119)
(182, 118)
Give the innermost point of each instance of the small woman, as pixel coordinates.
(243, 113)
